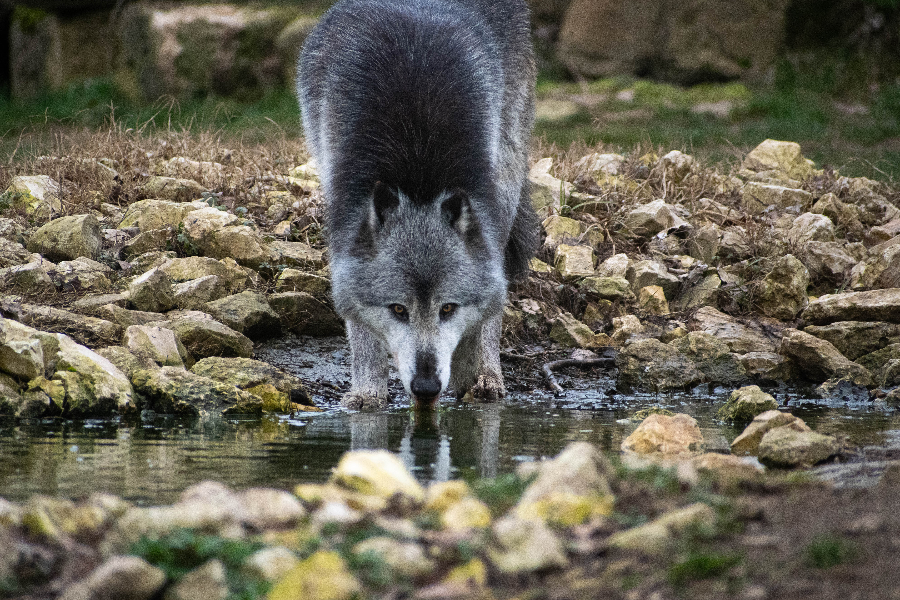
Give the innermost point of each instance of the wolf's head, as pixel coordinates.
(421, 276)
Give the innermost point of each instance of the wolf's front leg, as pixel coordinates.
(476, 363)
(369, 371)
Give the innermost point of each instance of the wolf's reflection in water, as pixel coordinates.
(425, 446)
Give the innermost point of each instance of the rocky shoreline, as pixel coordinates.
(140, 282)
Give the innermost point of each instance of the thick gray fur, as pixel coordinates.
(419, 115)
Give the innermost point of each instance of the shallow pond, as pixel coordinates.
(152, 460)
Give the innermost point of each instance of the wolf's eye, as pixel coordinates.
(448, 309)
(399, 311)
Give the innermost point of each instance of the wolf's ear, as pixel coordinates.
(456, 211)
(383, 201)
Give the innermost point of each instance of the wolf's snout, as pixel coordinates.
(425, 384)
(425, 387)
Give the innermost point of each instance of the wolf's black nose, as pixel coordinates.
(425, 387)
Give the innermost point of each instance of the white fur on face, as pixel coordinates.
(424, 332)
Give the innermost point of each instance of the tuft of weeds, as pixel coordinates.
(829, 550)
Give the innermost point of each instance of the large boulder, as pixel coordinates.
(854, 339)
(649, 219)
(745, 403)
(38, 195)
(574, 261)
(204, 336)
(685, 42)
(176, 391)
(253, 376)
(232, 277)
(818, 360)
(653, 366)
(884, 364)
(810, 227)
(664, 434)
(67, 238)
(757, 197)
(152, 292)
(378, 474)
(874, 305)
(13, 253)
(786, 447)
(21, 351)
(782, 294)
(748, 441)
(711, 356)
(570, 489)
(90, 385)
(81, 275)
(305, 315)
(828, 262)
(90, 331)
(248, 313)
(153, 214)
(882, 269)
(158, 344)
(785, 158)
(650, 272)
(31, 278)
(191, 50)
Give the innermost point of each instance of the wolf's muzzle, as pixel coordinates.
(425, 384)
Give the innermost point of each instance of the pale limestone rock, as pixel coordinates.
(207, 582)
(561, 229)
(745, 403)
(37, 194)
(377, 473)
(625, 328)
(152, 292)
(607, 288)
(574, 261)
(757, 197)
(874, 305)
(652, 298)
(270, 564)
(119, 578)
(649, 219)
(810, 227)
(614, 266)
(405, 560)
(525, 546)
(786, 447)
(67, 238)
(148, 215)
(158, 344)
(783, 291)
(819, 360)
(747, 443)
(322, 576)
(784, 157)
(661, 434)
(570, 489)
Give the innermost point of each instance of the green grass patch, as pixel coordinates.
(830, 550)
(184, 550)
(700, 565)
(500, 493)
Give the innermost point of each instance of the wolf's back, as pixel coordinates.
(424, 96)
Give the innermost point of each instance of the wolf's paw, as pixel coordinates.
(363, 401)
(488, 388)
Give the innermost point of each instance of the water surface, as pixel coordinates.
(152, 460)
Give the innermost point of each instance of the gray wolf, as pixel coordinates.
(419, 114)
